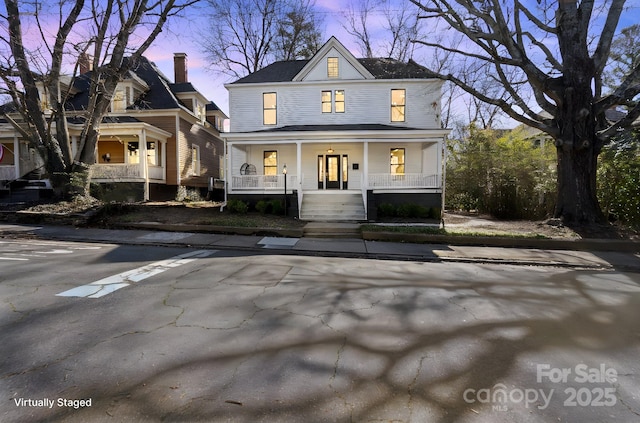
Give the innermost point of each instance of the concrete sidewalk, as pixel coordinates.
(336, 247)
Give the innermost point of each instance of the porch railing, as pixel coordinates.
(262, 182)
(116, 171)
(7, 173)
(156, 172)
(407, 180)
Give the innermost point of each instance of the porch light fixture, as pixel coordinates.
(330, 150)
(284, 173)
(106, 157)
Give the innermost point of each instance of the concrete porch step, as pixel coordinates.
(331, 230)
(332, 207)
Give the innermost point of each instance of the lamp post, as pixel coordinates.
(284, 173)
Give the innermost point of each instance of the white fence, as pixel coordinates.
(407, 180)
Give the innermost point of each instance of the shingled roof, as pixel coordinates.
(380, 68)
(339, 127)
(160, 95)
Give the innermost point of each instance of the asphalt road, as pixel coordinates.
(105, 333)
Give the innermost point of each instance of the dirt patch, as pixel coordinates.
(550, 228)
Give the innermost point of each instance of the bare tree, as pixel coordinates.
(298, 35)
(556, 90)
(107, 29)
(246, 35)
(403, 27)
(624, 57)
(357, 15)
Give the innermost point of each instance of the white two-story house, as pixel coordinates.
(351, 133)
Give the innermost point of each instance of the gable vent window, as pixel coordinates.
(332, 67)
(269, 108)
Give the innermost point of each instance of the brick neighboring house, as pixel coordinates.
(171, 124)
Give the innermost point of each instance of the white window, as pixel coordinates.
(119, 102)
(269, 108)
(339, 101)
(397, 161)
(153, 153)
(333, 71)
(195, 160)
(270, 162)
(133, 152)
(327, 107)
(398, 103)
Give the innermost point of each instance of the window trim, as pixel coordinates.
(195, 160)
(333, 67)
(403, 163)
(265, 108)
(264, 165)
(329, 102)
(343, 101)
(402, 108)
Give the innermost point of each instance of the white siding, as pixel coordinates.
(345, 69)
(430, 159)
(238, 157)
(380, 161)
(366, 102)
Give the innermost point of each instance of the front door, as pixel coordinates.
(332, 174)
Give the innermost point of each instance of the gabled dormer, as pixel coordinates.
(127, 92)
(333, 62)
(66, 90)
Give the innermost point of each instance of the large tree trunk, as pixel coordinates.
(577, 144)
(577, 152)
(577, 203)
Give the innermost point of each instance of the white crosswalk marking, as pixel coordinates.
(110, 284)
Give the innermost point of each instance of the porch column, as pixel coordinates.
(163, 160)
(227, 176)
(74, 145)
(440, 163)
(16, 157)
(144, 164)
(365, 167)
(299, 164)
(299, 172)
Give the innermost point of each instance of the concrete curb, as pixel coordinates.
(616, 245)
(229, 230)
(485, 241)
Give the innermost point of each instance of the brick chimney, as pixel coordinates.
(180, 68)
(84, 63)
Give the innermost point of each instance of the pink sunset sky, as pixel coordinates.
(184, 33)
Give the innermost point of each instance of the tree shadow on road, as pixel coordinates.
(339, 340)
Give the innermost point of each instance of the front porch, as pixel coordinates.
(131, 152)
(332, 175)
